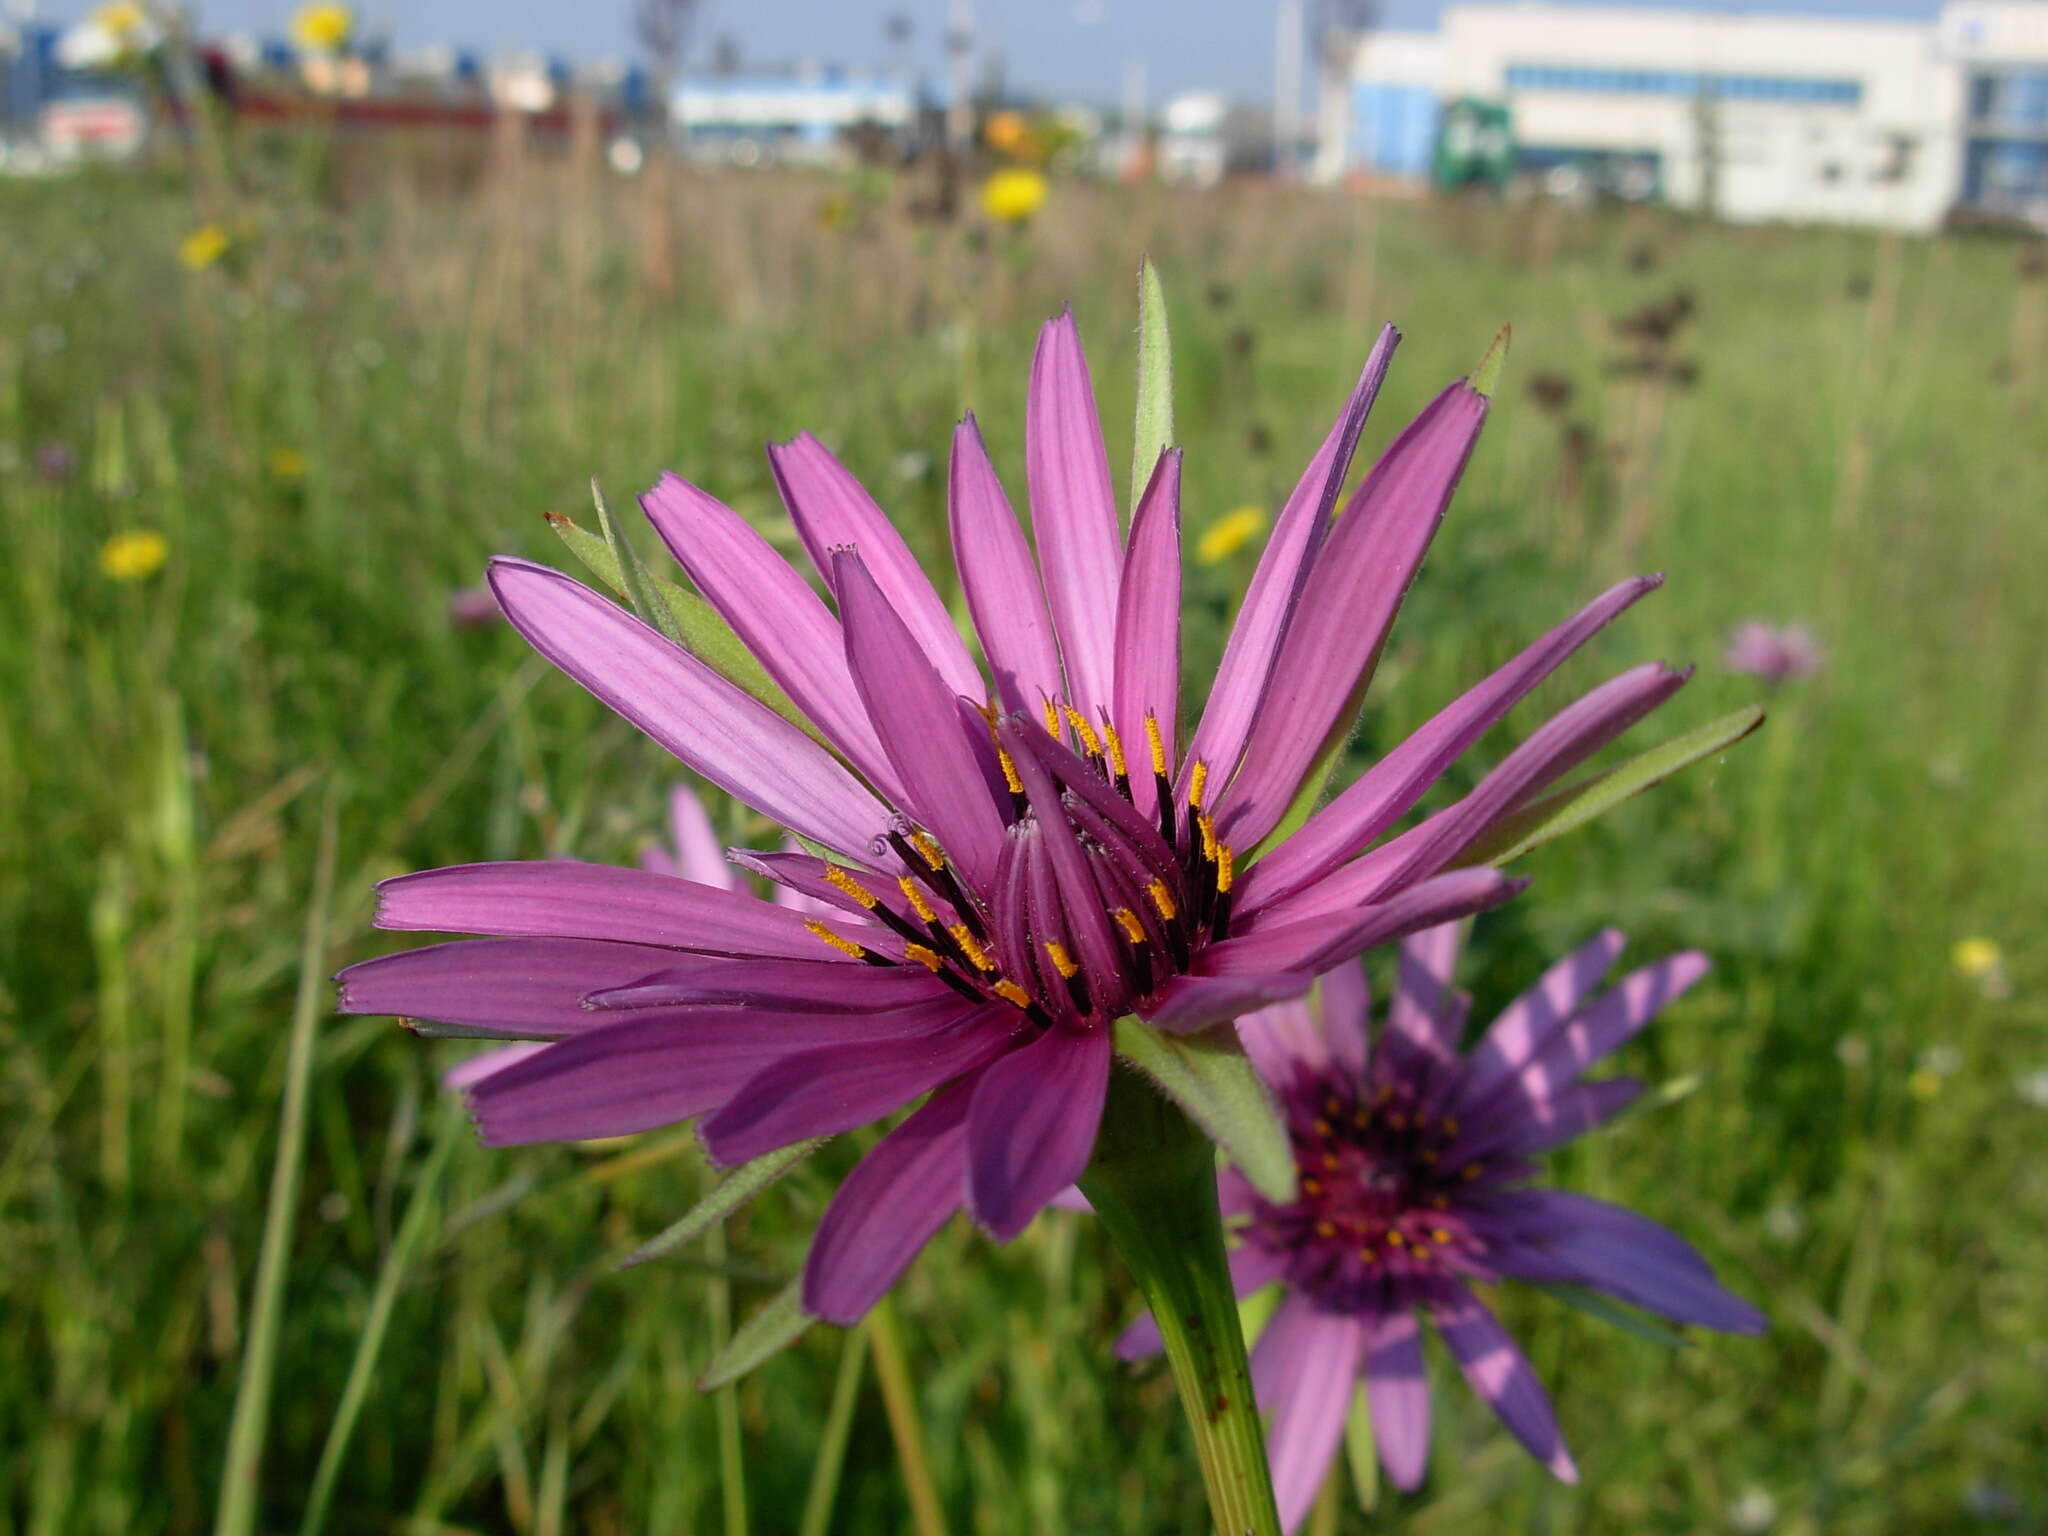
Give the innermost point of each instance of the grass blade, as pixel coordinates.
(831, 1460)
(732, 1467)
(899, 1402)
(250, 1423)
(411, 1232)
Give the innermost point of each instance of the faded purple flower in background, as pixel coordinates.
(1415, 1164)
(55, 460)
(474, 608)
(1017, 865)
(1776, 653)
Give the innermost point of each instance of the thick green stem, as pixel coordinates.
(1153, 1183)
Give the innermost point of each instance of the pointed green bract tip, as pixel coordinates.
(1153, 432)
(1486, 377)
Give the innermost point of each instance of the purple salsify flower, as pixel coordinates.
(1015, 867)
(1776, 653)
(1415, 1164)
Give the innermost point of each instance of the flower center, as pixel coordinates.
(1379, 1203)
(1093, 906)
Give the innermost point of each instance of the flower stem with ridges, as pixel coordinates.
(1153, 1183)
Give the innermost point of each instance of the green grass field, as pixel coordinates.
(336, 422)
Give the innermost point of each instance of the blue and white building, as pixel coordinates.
(2001, 47)
(800, 117)
(1752, 115)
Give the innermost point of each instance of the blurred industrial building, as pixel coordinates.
(1746, 115)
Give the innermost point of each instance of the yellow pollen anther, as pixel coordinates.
(1061, 960)
(916, 899)
(1010, 992)
(1226, 868)
(1162, 898)
(964, 937)
(1115, 744)
(1198, 785)
(840, 942)
(1157, 742)
(1326, 1229)
(1127, 920)
(1450, 1126)
(928, 958)
(1398, 1121)
(1330, 1163)
(1362, 1119)
(1209, 843)
(1441, 1203)
(1370, 1255)
(1052, 717)
(1324, 1128)
(840, 880)
(1010, 779)
(1473, 1170)
(1312, 1186)
(1331, 1104)
(927, 850)
(1429, 1157)
(1440, 1236)
(1396, 1240)
(1090, 742)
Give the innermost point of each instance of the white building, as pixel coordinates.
(754, 119)
(1192, 151)
(1756, 116)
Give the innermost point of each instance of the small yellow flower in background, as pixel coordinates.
(836, 212)
(1924, 1085)
(1980, 960)
(112, 37)
(1228, 534)
(133, 556)
(203, 247)
(322, 28)
(1977, 958)
(121, 21)
(1012, 196)
(287, 463)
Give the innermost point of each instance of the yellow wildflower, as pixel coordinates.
(287, 463)
(121, 21)
(322, 28)
(1924, 1084)
(1228, 534)
(203, 247)
(1012, 196)
(133, 556)
(1977, 957)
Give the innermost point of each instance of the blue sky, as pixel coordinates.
(1063, 47)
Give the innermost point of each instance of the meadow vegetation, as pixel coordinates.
(378, 383)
